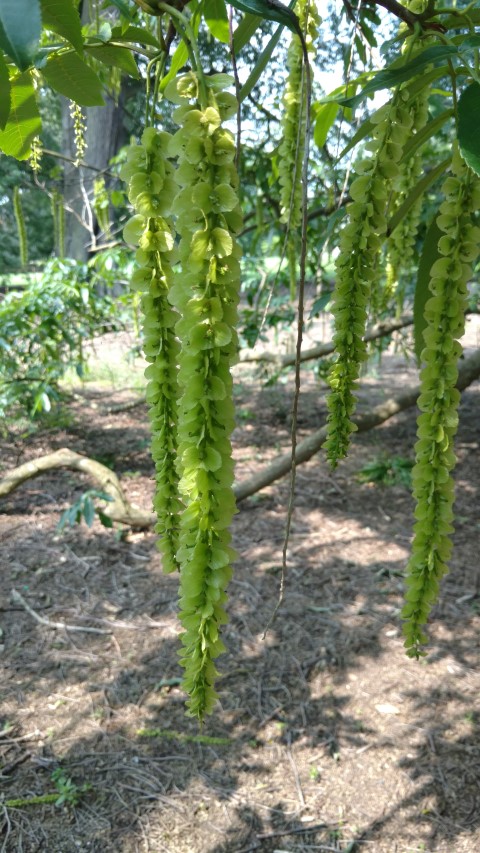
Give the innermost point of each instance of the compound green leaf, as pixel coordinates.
(4, 93)
(135, 34)
(69, 75)
(430, 254)
(390, 77)
(215, 13)
(469, 126)
(24, 121)
(20, 30)
(118, 57)
(61, 16)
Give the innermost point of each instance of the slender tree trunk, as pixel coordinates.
(104, 137)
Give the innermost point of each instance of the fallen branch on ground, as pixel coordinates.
(321, 350)
(469, 370)
(120, 509)
(123, 512)
(381, 330)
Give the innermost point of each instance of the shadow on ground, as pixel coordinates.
(326, 737)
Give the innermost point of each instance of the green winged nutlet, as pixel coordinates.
(151, 189)
(433, 486)
(205, 294)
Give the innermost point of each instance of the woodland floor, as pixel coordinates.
(330, 738)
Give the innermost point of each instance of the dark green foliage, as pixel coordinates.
(387, 471)
(44, 322)
(85, 509)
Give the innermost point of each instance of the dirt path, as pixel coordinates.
(327, 737)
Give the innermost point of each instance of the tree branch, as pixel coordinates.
(119, 509)
(321, 350)
(398, 10)
(469, 370)
(410, 18)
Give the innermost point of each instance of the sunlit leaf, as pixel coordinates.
(215, 14)
(24, 122)
(118, 57)
(5, 96)
(69, 75)
(324, 118)
(61, 16)
(135, 34)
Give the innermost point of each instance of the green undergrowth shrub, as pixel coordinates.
(387, 471)
(44, 326)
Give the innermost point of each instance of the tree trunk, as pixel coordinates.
(104, 136)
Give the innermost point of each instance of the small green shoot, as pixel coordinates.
(172, 735)
(84, 508)
(387, 471)
(68, 792)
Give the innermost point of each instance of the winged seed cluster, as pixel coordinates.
(187, 218)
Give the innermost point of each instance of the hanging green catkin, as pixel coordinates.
(401, 244)
(21, 230)
(433, 486)
(36, 154)
(151, 190)
(79, 131)
(357, 264)
(205, 292)
(292, 147)
(58, 215)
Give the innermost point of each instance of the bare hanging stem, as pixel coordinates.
(300, 320)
